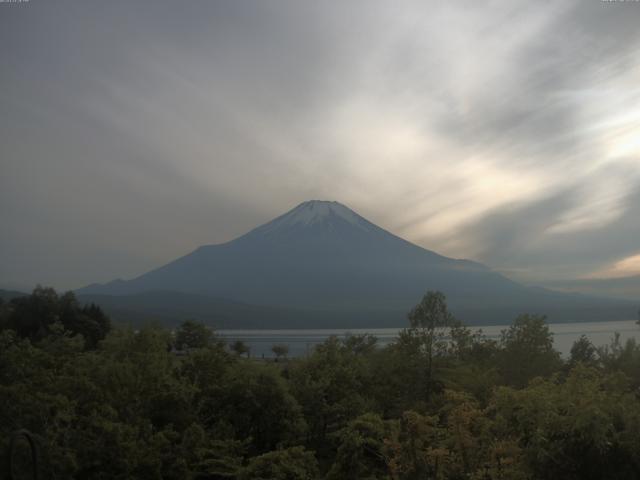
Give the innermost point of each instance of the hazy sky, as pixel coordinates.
(132, 132)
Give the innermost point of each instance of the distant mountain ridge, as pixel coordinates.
(7, 295)
(323, 257)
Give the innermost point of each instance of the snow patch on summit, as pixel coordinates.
(316, 210)
(319, 211)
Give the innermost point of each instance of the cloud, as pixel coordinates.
(625, 267)
(523, 241)
(133, 132)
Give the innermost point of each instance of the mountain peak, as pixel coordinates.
(314, 209)
(314, 212)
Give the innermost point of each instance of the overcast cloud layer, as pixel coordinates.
(133, 132)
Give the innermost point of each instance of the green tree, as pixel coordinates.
(205, 455)
(290, 464)
(253, 402)
(361, 450)
(397, 376)
(429, 322)
(583, 351)
(331, 385)
(4, 314)
(89, 321)
(280, 350)
(527, 351)
(360, 344)
(32, 316)
(621, 357)
(580, 429)
(191, 335)
(240, 348)
(416, 448)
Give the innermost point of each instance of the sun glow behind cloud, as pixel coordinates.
(623, 268)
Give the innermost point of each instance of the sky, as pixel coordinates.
(132, 132)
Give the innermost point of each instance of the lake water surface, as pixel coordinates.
(301, 342)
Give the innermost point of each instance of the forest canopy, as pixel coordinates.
(441, 402)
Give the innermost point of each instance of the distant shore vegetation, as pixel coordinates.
(440, 402)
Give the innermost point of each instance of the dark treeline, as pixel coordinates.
(114, 403)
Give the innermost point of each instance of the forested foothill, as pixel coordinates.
(441, 402)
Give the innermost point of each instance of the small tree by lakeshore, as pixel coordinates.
(240, 348)
(429, 321)
(280, 350)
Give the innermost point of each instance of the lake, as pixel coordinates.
(302, 341)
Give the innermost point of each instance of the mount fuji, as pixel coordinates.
(323, 265)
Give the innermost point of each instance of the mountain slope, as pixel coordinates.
(173, 307)
(620, 287)
(322, 256)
